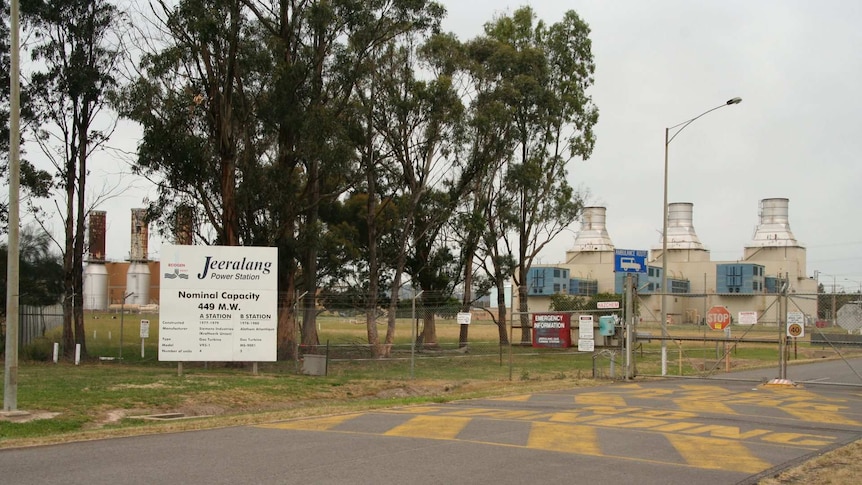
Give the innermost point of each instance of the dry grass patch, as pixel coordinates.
(842, 466)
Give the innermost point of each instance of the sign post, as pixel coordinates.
(145, 334)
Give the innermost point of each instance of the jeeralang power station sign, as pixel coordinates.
(218, 304)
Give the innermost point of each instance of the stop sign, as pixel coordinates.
(718, 318)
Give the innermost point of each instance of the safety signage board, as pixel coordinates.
(795, 324)
(630, 260)
(464, 318)
(747, 318)
(552, 330)
(585, 327)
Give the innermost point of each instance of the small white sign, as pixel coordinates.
(145, 329)
(585, 327)
(747, 318)
(464, 318)
(586, 345)
(605, 305)
(796, 317)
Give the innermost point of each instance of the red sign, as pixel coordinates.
(718, 318)
(552, 330)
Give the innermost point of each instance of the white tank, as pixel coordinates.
(95, 287)
(138, 283)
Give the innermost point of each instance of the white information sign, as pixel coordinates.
(145, 329)
(464, 318)
(747, 318)
(585, 328)
(218, 303)
(602, 305)
(795, 324)
(586, 345)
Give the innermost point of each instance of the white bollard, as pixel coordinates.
(56, 352)
(77, 354)
(109, 335)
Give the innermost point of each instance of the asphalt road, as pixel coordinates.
(661, 432)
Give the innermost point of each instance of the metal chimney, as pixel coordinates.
(680, 228)
(96, 250)
(593, 235)
(184, 218)
(774, 227)
(140, 235)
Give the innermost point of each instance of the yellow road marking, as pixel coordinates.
(520, 398)
(703, 406)
(312, 424)
(602, 398)
(431, 427)
(717, 454)
(816, 416)
(564, 438)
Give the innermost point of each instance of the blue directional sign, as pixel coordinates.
(630, 261)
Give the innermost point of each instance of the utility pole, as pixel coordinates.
(10, 376)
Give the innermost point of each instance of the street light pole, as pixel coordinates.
(664, 280)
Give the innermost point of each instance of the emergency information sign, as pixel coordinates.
(218, 303)
(552, 330)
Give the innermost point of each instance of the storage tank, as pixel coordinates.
(95, 273)
(138, 283)
(95, 286)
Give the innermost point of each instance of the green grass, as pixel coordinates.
(87, 395)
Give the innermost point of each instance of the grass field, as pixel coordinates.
(105, 392)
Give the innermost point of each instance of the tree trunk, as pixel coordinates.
(78, 256)
(309, 258)
(501, 312)
(69, 263)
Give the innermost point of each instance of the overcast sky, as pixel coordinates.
(795, 64)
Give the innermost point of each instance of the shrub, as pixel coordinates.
(41, 349)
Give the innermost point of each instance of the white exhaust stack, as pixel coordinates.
(680, 228)
(774, 227)
(593, 235)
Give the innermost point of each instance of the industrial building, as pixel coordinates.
(773, 259)
(113, 285)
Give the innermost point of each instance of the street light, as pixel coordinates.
(667, 139)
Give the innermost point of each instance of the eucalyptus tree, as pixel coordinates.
(417, 124)
(544, 71)
(195, 96)
(77, 48)
(319, 47)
